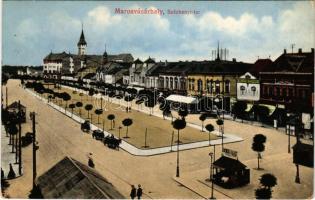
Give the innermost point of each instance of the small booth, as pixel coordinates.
(303, 154)
(14, 109)
(230, 173)
(179, 101)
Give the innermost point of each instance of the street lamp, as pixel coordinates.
(211, 175)
(217, 100)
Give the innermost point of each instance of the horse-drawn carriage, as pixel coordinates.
(112, 142)
(98, 134)
(86, 127)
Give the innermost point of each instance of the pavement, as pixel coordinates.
(7, 156)
(58, 136)
(228, 138)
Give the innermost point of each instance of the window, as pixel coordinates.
(217, 87)
(167, 83)
(176, 83)
(193, 84)
(284, 92)
(199, 85)
(242, 88)
(290, 93)
(171, 83)
(227, 86)
(189, 84)
(253, 89)
(161, 82)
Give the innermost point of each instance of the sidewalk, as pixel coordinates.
(7, 157)
(228, 138)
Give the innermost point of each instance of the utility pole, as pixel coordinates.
(6, 97)
(35, 147)
(20, 142)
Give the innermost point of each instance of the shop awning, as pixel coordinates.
(270, 107)
(181, 99)
(249, 107)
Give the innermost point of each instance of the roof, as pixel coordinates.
(138, 61)
(181, 99)
(260, 65)
(149, 60)
(15, 105)
(302, 62)
(229, 163)
(82, 39)
(70, 178)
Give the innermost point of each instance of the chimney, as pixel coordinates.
(300, 50)
(234, 59)
(284, 51)
(312, 50)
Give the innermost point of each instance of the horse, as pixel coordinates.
(112, 142)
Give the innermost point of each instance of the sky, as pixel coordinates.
(248, 29)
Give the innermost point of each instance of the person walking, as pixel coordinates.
(139, 192)
(133, 192)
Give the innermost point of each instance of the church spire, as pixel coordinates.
(82, 43)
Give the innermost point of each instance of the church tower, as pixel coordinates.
(82, 45)
(105, 56)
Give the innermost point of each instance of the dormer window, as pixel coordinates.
(242, 90)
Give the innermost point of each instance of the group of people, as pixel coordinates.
(136, 192)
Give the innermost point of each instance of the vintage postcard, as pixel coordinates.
(157, 99)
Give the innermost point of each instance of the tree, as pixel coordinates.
(111, 117)
(127, 122)
(79, 105)
(91, 92)
(263, 193)
(178, 124)
(202, 118)
(72, 106)
(183, 112)
(239, 109)
(66, 97)
(98, 112)
(150, 102)
(209, 128)
(81, 95)
(258, 145)
(88, 107)
(128, 99)
(268, 180)
(139, 102)
(220, 123)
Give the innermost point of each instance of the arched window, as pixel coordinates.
(176, 83)
(171, 83)
(193, 84)
(161, 82)
(167, 83)
(199, 85)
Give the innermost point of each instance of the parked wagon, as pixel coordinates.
(86, 127)
(112, 142)
(98, 134)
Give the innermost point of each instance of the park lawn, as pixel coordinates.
(159, 131)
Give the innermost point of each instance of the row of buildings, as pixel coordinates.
(286, 82)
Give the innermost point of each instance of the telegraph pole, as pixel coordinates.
(20, 142)
(35, 147)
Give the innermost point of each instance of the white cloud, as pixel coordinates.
(27, 31)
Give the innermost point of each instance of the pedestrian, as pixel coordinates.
(133, 192)
(139, 192)
(90, 162)
(11, 173)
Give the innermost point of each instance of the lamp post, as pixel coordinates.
(119, 128)
(211, 175)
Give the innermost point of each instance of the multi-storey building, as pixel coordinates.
(290, 81)
(81, 64)
(138, 71)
